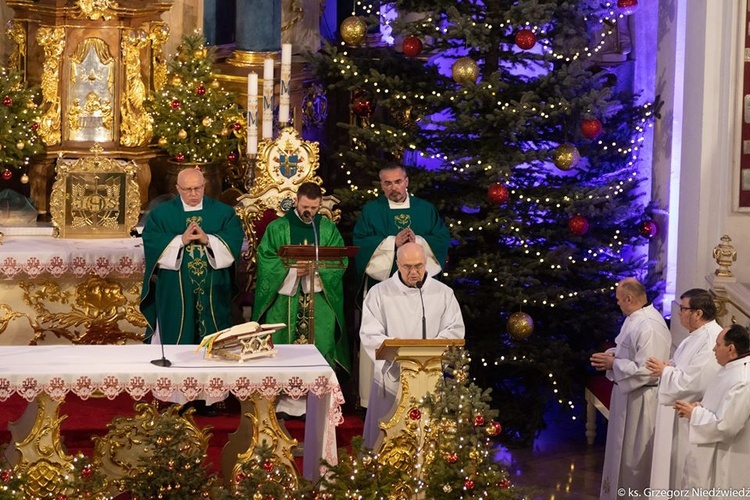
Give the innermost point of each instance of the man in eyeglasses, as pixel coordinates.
(191, 245)
(684, 377)
(393, 309)
(632, 412)
(387, 223)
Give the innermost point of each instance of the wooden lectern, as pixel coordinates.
(420, 363)
(312, 258)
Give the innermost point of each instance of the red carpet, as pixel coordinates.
(89, 418)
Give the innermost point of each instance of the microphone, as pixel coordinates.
(419, 285)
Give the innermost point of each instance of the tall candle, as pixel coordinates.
(286, 72)
(252, 113)
(268, 99)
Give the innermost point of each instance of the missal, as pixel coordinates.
(242, 342)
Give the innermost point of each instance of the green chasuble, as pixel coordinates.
(272, 307)
(378, 221)
(196, 300)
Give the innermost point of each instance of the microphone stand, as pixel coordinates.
(163, 361)
(313, 274)
(419, 285)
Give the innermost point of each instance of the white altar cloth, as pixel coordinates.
(37, 255)
(297, 371)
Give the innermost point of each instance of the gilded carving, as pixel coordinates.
(52, 40)
(96, 9)
(95, 197)
(16, 32)
(96, 305)
(40, 453)
(158, 35)
(136, 126)
(91, 92)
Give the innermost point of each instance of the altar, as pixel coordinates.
(44, 375)
(80, 291)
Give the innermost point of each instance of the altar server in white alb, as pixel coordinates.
(719, 451)
(632, 412)
(684, 377)
(393, 309)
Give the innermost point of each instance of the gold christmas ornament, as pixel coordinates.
(207, 121)
(182, 134)
(520, 325)
(566, 156)
(224, 131)
(353, 30)
(176, 80)
(215, 84)
(199, 53)
(465, 71)
(31, 105)
(162, 141)
(24, 179)
(20, 144)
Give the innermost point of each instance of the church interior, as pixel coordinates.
(565, 147)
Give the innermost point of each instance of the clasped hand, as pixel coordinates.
(602, 360)
(405, 236)
(194, 234)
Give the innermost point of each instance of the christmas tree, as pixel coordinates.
(195, 120)
(19, 122)
(528, 147)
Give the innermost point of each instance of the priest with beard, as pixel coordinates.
(392, 309)
(284, 295)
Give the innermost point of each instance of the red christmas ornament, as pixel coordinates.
(479, 421)
(649, 229)
(237, 126)
(201, 90)
(627, 7)
(451, 457)
(411, 46)
(232, 156)
(7, 101)
(578, 225)
(505, 483)
(591, 128)
(179, 157)
(7, 174)
(239, 477)
(525, 39)
(362, 105)
(415, 414)
(497, 194)
(87, 472)
(494, 428)
(176, 104)
(469, 484)
(268, 466)
(34, 125)
(5, 475)
(62, 496)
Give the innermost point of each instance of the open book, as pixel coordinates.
(241, 342)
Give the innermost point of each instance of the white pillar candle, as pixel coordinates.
(252, 113)
(286, 73)
(268, 99)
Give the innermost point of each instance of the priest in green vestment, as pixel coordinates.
(282, 295)
(386, 223)
(393, 219)
(191, 245)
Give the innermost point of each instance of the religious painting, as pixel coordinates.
(95, 198)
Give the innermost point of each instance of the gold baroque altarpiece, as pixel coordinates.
(95, 62)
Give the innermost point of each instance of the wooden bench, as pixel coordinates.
(597, 393)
